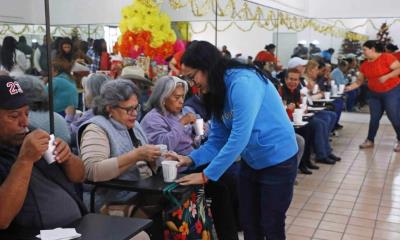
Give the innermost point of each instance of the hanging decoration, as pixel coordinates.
(269, 20)
(383, 35)
(146, 30)
(18, 30)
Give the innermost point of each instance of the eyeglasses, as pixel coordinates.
(130, 110)
(189, 79)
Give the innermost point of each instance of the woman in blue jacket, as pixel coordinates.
(248, 120)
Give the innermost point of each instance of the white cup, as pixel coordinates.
(334, 90)
(170, 170)
(297, 116)
(341, 88)
(199, 127)
(49, 154)
(327, 95)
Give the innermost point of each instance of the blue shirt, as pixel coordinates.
(339, 77)
(255, 125)
(65, 92)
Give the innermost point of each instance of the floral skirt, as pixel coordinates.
(189, 218)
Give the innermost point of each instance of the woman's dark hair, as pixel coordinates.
(204, 56)
(61, 53)
(391, 47)
(379, 48)
(8, 52)
(270, 47)
(97, 46)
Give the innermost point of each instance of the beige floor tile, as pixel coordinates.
(306, 222)
(388, 226)
(340, 211)
(359, 231)
(311, 214)
(327, 235)
(301, 231)
(335, 218)
(386, 235)
(347, 236)
(344, 204)
(364, 214)
(296, 237)
(316, 207)
(362, 222)
(332, 226)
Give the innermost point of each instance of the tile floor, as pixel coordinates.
(357, 198)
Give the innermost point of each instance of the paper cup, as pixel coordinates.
(297, 117)
(334, 90)
(199, 127)
(170, 171)
(341, 88)
(327, 95)
(49, 154)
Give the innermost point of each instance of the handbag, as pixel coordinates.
(189, 218)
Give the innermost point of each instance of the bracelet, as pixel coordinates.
(205, 179)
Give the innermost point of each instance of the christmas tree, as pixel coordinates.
(383, 35)
(351, 46)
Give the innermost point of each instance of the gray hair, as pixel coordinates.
(93, 83)
(164, 87)
(113, 92)
(35, 92)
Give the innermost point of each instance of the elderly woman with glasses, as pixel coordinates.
(165, 124)
(112, 142)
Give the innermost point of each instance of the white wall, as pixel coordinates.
(353, 8)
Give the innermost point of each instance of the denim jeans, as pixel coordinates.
(329, 117)
(264, 197)
(351, 99)
(338, 103)
(380, 102)
(320, 137)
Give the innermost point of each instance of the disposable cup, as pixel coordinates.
(170, 170)
(341, 88)
(298, 117)
(49, 154)
(199, 127)
(327, 95)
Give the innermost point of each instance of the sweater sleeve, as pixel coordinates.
(95, 153)
(246, 98)
(159, 132)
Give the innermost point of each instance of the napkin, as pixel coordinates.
(58, 234)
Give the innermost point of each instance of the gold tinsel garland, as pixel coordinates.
(9, 29)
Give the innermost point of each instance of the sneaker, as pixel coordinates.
(397, 147)
(367, 144)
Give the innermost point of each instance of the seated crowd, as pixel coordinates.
(118, 135)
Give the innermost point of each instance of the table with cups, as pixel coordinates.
(151, 182)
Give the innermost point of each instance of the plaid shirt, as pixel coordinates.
(95, 60)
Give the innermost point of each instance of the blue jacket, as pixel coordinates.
(255, 125)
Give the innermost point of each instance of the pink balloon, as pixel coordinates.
(179, 45)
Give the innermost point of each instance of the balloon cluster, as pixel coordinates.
(146, 30)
